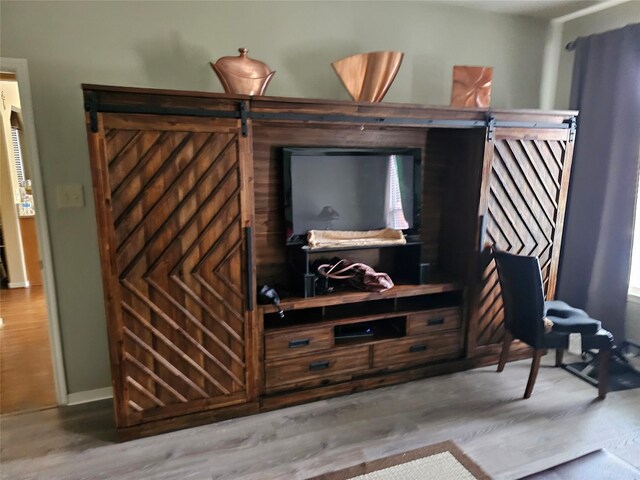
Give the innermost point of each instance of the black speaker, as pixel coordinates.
(424, 273)
(309, 285)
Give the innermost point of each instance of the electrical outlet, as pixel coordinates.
(70, 196)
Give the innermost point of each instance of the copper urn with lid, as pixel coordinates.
(243, 75)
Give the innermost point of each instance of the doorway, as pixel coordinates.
(31, 368)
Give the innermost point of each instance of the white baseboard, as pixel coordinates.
(89, 396)
(19, 284)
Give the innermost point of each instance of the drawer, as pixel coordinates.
(317, 365)
(418, 349)
(284, 343)
(434, 321)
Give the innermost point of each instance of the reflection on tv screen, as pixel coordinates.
(351, 192)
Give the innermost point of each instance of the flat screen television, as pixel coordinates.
(351, 189)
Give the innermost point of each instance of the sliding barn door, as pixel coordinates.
(524, 200)
(173, 209)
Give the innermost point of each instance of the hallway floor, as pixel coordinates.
(26, 372)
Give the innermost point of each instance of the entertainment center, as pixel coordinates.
(194, 214)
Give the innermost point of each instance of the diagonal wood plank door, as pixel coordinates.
(524, 213)
(176, 249)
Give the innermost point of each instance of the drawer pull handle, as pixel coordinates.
(313, 366)
(435, 321)
(417, 348)
(300, 342)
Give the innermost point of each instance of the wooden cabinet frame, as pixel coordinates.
(187, 345)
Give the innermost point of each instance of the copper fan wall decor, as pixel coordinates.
(243, 75)
(471, 86)
(368, 76)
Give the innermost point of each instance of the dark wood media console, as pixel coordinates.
(318, 345)
(189, 204)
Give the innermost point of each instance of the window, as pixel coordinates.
(16, 127)
(17, 154)
(634, 282)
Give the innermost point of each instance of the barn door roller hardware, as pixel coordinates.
(93, 105)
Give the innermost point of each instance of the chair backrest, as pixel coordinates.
(522, 295)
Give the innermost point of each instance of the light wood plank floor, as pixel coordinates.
(26, 372)
(480, 410)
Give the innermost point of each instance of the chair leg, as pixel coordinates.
(533, 374)
(603, 373)
(504, 355)
(559, 356)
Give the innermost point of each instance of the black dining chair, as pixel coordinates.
(525, 310)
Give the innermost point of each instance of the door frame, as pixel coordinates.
(20, 68)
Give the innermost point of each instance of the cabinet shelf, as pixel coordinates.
(398, 291)
(308, 250)
(318, 321)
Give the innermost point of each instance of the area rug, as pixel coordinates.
(442, 461)
(598, 465)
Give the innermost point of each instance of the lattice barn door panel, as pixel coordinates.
(174, 240)
(525, 198)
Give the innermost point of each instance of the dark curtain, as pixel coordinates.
(596, 259)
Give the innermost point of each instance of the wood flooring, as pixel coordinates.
(26, 372)
(480, 410)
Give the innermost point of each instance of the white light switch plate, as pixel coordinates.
(70, 196)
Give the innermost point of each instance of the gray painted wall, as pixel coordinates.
(169, 45)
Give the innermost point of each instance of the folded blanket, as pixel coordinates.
(336, 239)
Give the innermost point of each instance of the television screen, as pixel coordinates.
(351, 189)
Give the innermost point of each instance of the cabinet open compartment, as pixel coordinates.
(401, 262)
(450, 189)
(370, 331)
(430, 302)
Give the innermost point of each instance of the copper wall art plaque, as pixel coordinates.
(471, 86)
(243, 75)
(368, 76)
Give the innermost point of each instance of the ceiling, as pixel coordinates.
(545, 9)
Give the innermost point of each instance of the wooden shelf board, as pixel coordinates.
(398, 291)
(305, 248)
